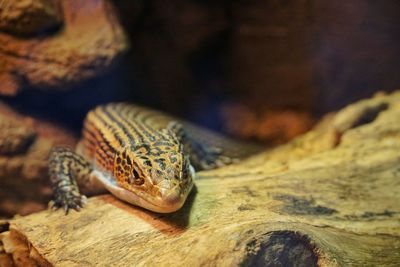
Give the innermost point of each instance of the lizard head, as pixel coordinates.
(158, 175)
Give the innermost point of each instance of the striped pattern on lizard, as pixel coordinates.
(141, 156)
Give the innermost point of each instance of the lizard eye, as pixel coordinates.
(186, 166)
(138, 181)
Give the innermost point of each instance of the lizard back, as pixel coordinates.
(108, 128)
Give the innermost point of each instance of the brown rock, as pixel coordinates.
(30, 17)
(268, 126)
(25, 143)
(88, 42)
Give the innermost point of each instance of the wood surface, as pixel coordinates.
(328, 198)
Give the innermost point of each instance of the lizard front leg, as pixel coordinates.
(202, 157)
(65, 167)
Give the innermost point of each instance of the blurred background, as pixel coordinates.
(262, 71)
(232, 65)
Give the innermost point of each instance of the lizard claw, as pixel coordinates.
(66, 209)
(214, 159)
(68, 201)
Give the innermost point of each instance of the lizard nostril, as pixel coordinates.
(170, 196)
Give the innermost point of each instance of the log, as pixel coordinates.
(329, 198)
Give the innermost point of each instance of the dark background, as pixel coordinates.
(223, 64)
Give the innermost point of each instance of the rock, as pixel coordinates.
(270, 126)
(30, 17)
(25, 143)
(89, 41)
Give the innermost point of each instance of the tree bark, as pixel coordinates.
(328, 198)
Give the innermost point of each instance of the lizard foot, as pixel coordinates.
(214, 159)
(68, 201)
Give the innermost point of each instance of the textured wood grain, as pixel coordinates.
(329, 198)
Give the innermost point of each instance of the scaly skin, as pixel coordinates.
(141, 156)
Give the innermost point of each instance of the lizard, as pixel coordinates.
(139, 155)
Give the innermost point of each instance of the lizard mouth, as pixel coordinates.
(168, 201)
